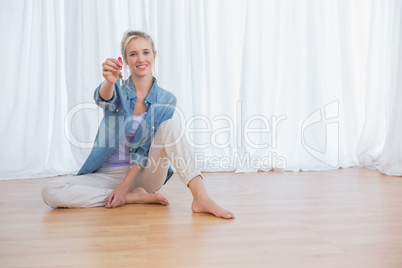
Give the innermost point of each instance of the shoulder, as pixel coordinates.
(165, 96)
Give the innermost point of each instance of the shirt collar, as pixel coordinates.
(152, 94)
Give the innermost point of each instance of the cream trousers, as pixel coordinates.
(92, 190)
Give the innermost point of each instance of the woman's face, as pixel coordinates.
(140, 57)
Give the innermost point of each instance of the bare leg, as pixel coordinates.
(140, 196)
(203, 203)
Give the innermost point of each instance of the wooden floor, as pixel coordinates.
(342, 218)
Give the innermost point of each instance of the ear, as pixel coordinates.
(155, 54)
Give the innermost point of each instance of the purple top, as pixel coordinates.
(121, 156)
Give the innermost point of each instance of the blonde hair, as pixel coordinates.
(127, 37)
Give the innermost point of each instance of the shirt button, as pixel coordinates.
(117, 110)
(153, 127)
(131, 149)
(145, 113)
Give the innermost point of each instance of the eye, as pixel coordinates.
(146, 52)
(133, 54)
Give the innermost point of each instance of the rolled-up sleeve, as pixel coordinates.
(106, 105)
(140, 158)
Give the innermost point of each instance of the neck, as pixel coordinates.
(142, 85)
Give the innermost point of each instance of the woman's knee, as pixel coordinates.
(172, 129)
(50, 194)
(170, 124)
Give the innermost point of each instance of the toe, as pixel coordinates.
(228, 215)
(165, 201)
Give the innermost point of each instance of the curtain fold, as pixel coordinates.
(261, 85)
(34, 90)
(380, 142)
(303, 68)
(391, 157)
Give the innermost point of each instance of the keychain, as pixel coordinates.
(121, 76)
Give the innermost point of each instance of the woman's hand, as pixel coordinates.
(111, 70)
(117, 198)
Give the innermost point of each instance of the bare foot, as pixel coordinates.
(140, 196)
(209, 206)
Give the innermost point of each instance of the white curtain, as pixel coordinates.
(261, 85)
(380, 145)
(33, 90)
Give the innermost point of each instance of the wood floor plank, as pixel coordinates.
(341, 218)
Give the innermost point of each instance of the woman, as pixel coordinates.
(129, 160)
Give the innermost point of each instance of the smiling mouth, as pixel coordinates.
(141, 66)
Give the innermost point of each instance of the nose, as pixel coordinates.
(140, 57)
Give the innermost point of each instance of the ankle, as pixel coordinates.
(201, 198)
(197, 189)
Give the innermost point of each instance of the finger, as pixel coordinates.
(110, 198)
(110, 68)
(113, 63)
(114, 202)
(119, 201)
(119, 204)
(118, 61)
(106, 74)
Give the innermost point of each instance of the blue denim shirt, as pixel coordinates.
(118, 121)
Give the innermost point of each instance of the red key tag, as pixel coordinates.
(119, 58)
